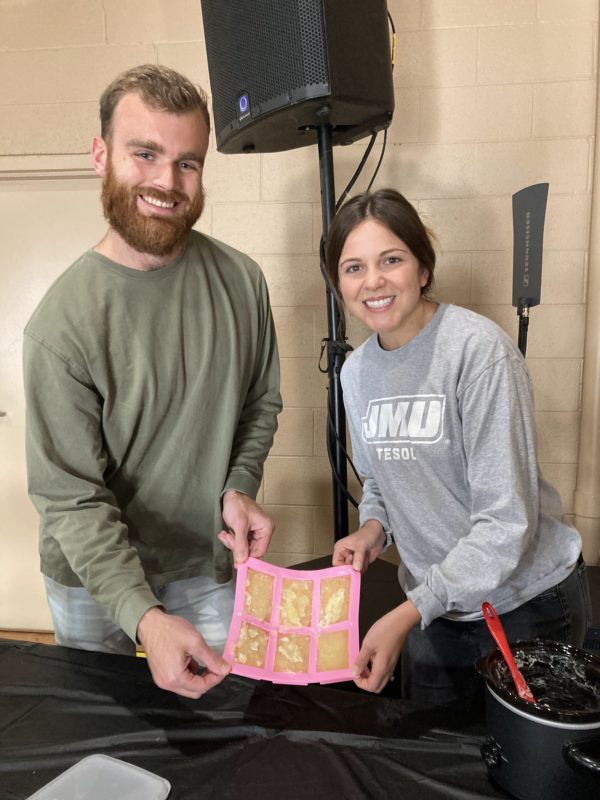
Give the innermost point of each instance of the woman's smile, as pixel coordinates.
(378, 303)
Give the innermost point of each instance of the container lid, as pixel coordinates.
(564, 680)
(99, 777)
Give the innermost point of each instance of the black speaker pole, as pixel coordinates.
(335, 353)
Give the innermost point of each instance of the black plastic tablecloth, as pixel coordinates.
(244, 739)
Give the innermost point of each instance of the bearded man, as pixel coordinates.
(152, 389)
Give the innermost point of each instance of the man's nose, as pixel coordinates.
(166, 176)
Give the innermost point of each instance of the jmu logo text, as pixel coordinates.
(404, 420)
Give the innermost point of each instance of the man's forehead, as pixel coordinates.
(132, 112)
(131, 103)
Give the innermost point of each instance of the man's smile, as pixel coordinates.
(153, 201)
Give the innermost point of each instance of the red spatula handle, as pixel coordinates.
(495, 628)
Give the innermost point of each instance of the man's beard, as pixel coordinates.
(155, 235)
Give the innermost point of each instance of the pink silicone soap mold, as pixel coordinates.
(294, 626)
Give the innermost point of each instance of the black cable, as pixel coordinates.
(322, 266)
(354, 470)
(359, 169)
(341, 332)
(336, 475)
(379, 162)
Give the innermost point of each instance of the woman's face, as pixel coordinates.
(380, 281)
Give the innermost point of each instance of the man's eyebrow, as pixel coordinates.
(155, 147)
(146, 144)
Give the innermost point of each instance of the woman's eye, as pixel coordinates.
(392, 260)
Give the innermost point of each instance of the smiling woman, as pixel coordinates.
(440, 411)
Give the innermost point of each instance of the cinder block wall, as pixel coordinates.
(491, 96)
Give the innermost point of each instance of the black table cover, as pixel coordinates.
(244, 739)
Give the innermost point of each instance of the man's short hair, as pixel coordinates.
(160, 88)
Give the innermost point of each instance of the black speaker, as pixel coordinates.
(280, 68)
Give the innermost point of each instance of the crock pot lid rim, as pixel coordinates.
(549, 646)
(544, 720)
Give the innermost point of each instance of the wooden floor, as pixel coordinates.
(28, 636)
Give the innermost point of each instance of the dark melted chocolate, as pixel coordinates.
(557, 682)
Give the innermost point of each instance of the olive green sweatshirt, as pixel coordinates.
(148, 395)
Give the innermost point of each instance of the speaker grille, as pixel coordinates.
(312, 37)
(281, 69)
(279, 46)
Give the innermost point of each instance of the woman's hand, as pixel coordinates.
(361, 548)
(375, 664)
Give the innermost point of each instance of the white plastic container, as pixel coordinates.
(99, 777)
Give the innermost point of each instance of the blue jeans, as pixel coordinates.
(80, 622)
(437, 664)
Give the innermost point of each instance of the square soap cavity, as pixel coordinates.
(294, 626)
(258, 598)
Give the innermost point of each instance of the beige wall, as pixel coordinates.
(491, 96)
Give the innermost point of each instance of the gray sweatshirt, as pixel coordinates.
(443, 431)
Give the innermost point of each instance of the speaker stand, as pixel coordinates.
(336, 350)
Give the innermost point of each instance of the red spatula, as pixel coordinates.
(495, 628)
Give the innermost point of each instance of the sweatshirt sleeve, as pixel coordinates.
(66, 460)
(257, 422)
(499, 440)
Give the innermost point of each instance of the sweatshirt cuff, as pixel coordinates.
(383, 521)
(133, 609)
(428, 606)
(240, 481)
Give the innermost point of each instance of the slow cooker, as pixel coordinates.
(550, 749)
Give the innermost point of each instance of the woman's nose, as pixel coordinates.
(373, 277)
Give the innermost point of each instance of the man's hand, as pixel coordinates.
(249, 528)
(381, 647)
(361, 548)
(173, 648)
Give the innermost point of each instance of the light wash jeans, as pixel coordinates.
(81, 622)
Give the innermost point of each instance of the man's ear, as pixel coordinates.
(99, 155)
